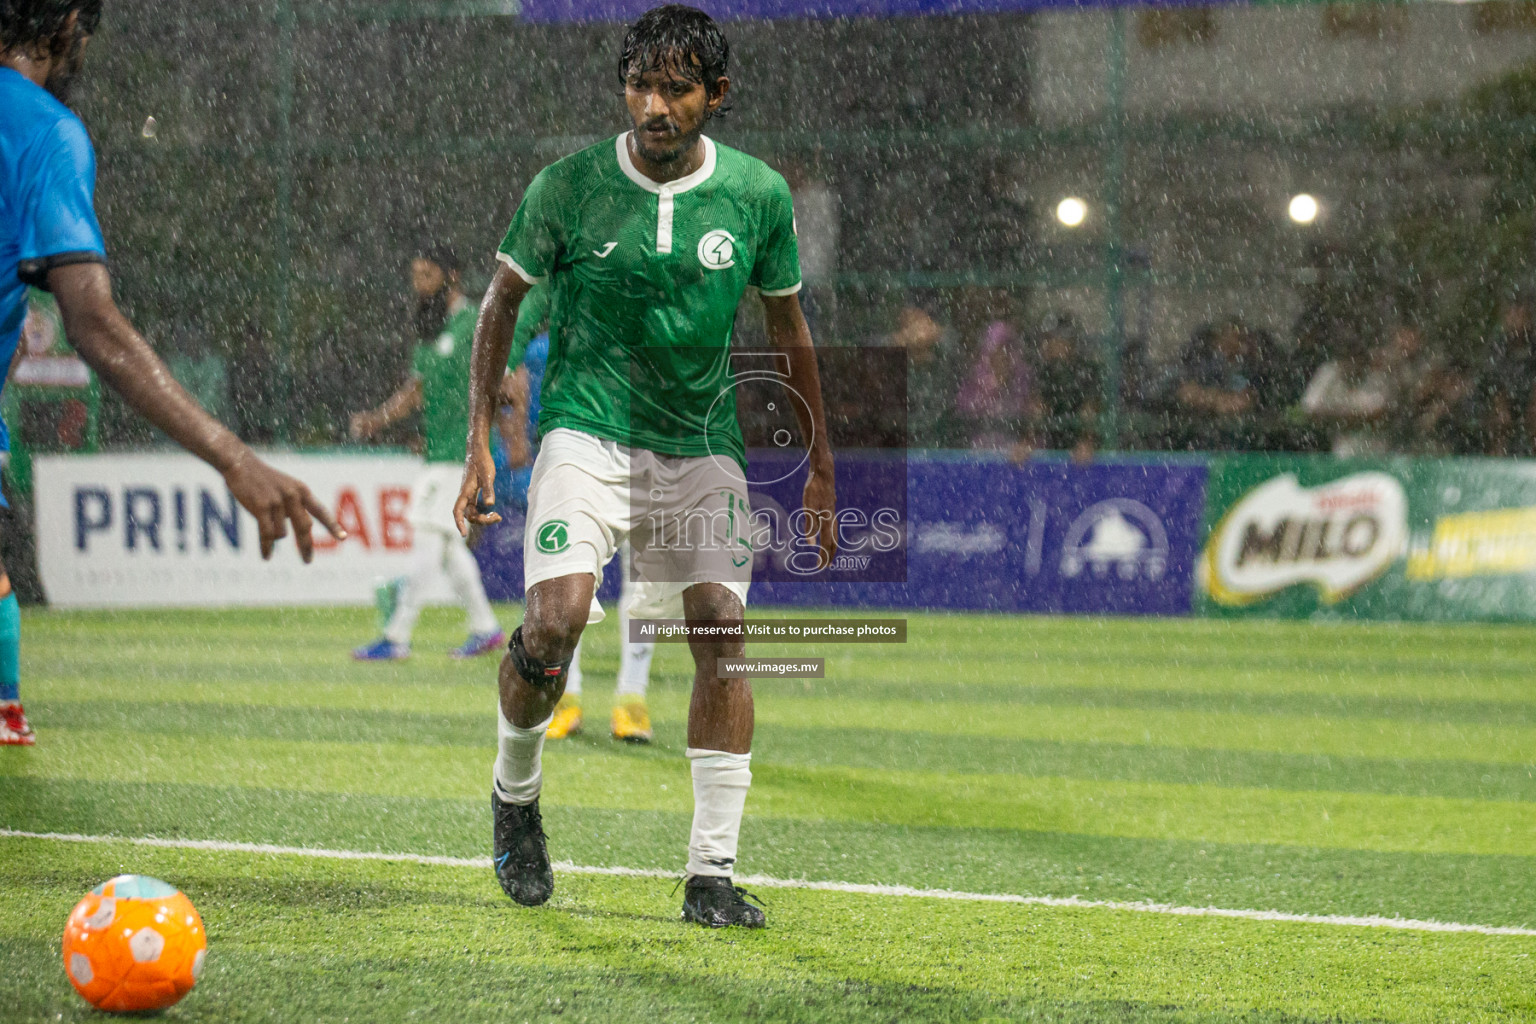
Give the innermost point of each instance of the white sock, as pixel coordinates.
(720, 782)
(573, 674)
(426, 563)
(519, 771)
(464, 574)
(634, 662)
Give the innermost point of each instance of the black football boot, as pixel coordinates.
(521, 858)
(716, 903)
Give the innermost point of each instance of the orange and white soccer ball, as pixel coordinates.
(133, 944)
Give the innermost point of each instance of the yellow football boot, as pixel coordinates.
(567, 720)
(632, 722)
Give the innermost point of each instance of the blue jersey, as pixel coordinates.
(536, 358)
(47, 185)
(512, 484)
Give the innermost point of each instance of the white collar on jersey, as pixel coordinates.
(683, 184)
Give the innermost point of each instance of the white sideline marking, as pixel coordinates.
(766, 882)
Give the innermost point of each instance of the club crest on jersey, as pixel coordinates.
(445, 343)
(717, 250)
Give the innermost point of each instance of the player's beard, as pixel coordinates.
(61, 79)
(431, 313)
(681, 145)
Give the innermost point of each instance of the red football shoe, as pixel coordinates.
(15, 730)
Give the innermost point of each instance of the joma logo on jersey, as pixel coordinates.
(717, 250)
(553, 537)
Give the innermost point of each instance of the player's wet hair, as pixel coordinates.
(676, 38)
(25, 22)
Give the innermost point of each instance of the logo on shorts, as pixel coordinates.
(553, 537)
(717, 250)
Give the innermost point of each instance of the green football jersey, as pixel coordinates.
(442, 366)
(644, 282)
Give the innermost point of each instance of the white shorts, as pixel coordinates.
(432, 496)
(686, 519)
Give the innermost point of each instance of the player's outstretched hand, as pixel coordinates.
(276, 498)
(477, 494)
(820, 499)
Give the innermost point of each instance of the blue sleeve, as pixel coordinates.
(58, 224)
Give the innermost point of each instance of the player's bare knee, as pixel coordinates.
(712, 602)
(555, 615)
(545, 676)
(551, 634)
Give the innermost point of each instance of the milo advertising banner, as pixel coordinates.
(1448, 539)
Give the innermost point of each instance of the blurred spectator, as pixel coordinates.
(1507, 389)
(1430, 398)
(1446, 420)
(1331, 314)
(1062, 408)
(1217, 392)
(993, 399)
(1352, 398)
(933, 377)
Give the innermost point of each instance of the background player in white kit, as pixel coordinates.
(649, 241)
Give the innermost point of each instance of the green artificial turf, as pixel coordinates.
(1341, 769)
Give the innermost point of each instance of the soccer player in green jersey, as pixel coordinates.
(445, 322)
(648, 240)
(631, 719)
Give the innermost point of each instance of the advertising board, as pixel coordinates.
(163, 530)
(967, 533)
(1426, 539)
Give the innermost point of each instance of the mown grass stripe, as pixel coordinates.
(1303, 734)
(610, 778)
(1445, 708)
(833, 745)
(770, 882)
(1419, 644)
(462, 690)
(1372, 660)
(1207, 730)
(1301, 689)
(877, 749)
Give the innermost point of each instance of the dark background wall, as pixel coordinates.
(301, 153)
(401, 130)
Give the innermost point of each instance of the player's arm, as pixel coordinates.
(394, 408)
(787, 332)
(17, 356)
(487, 366)
(512, 420)
(105, 339)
